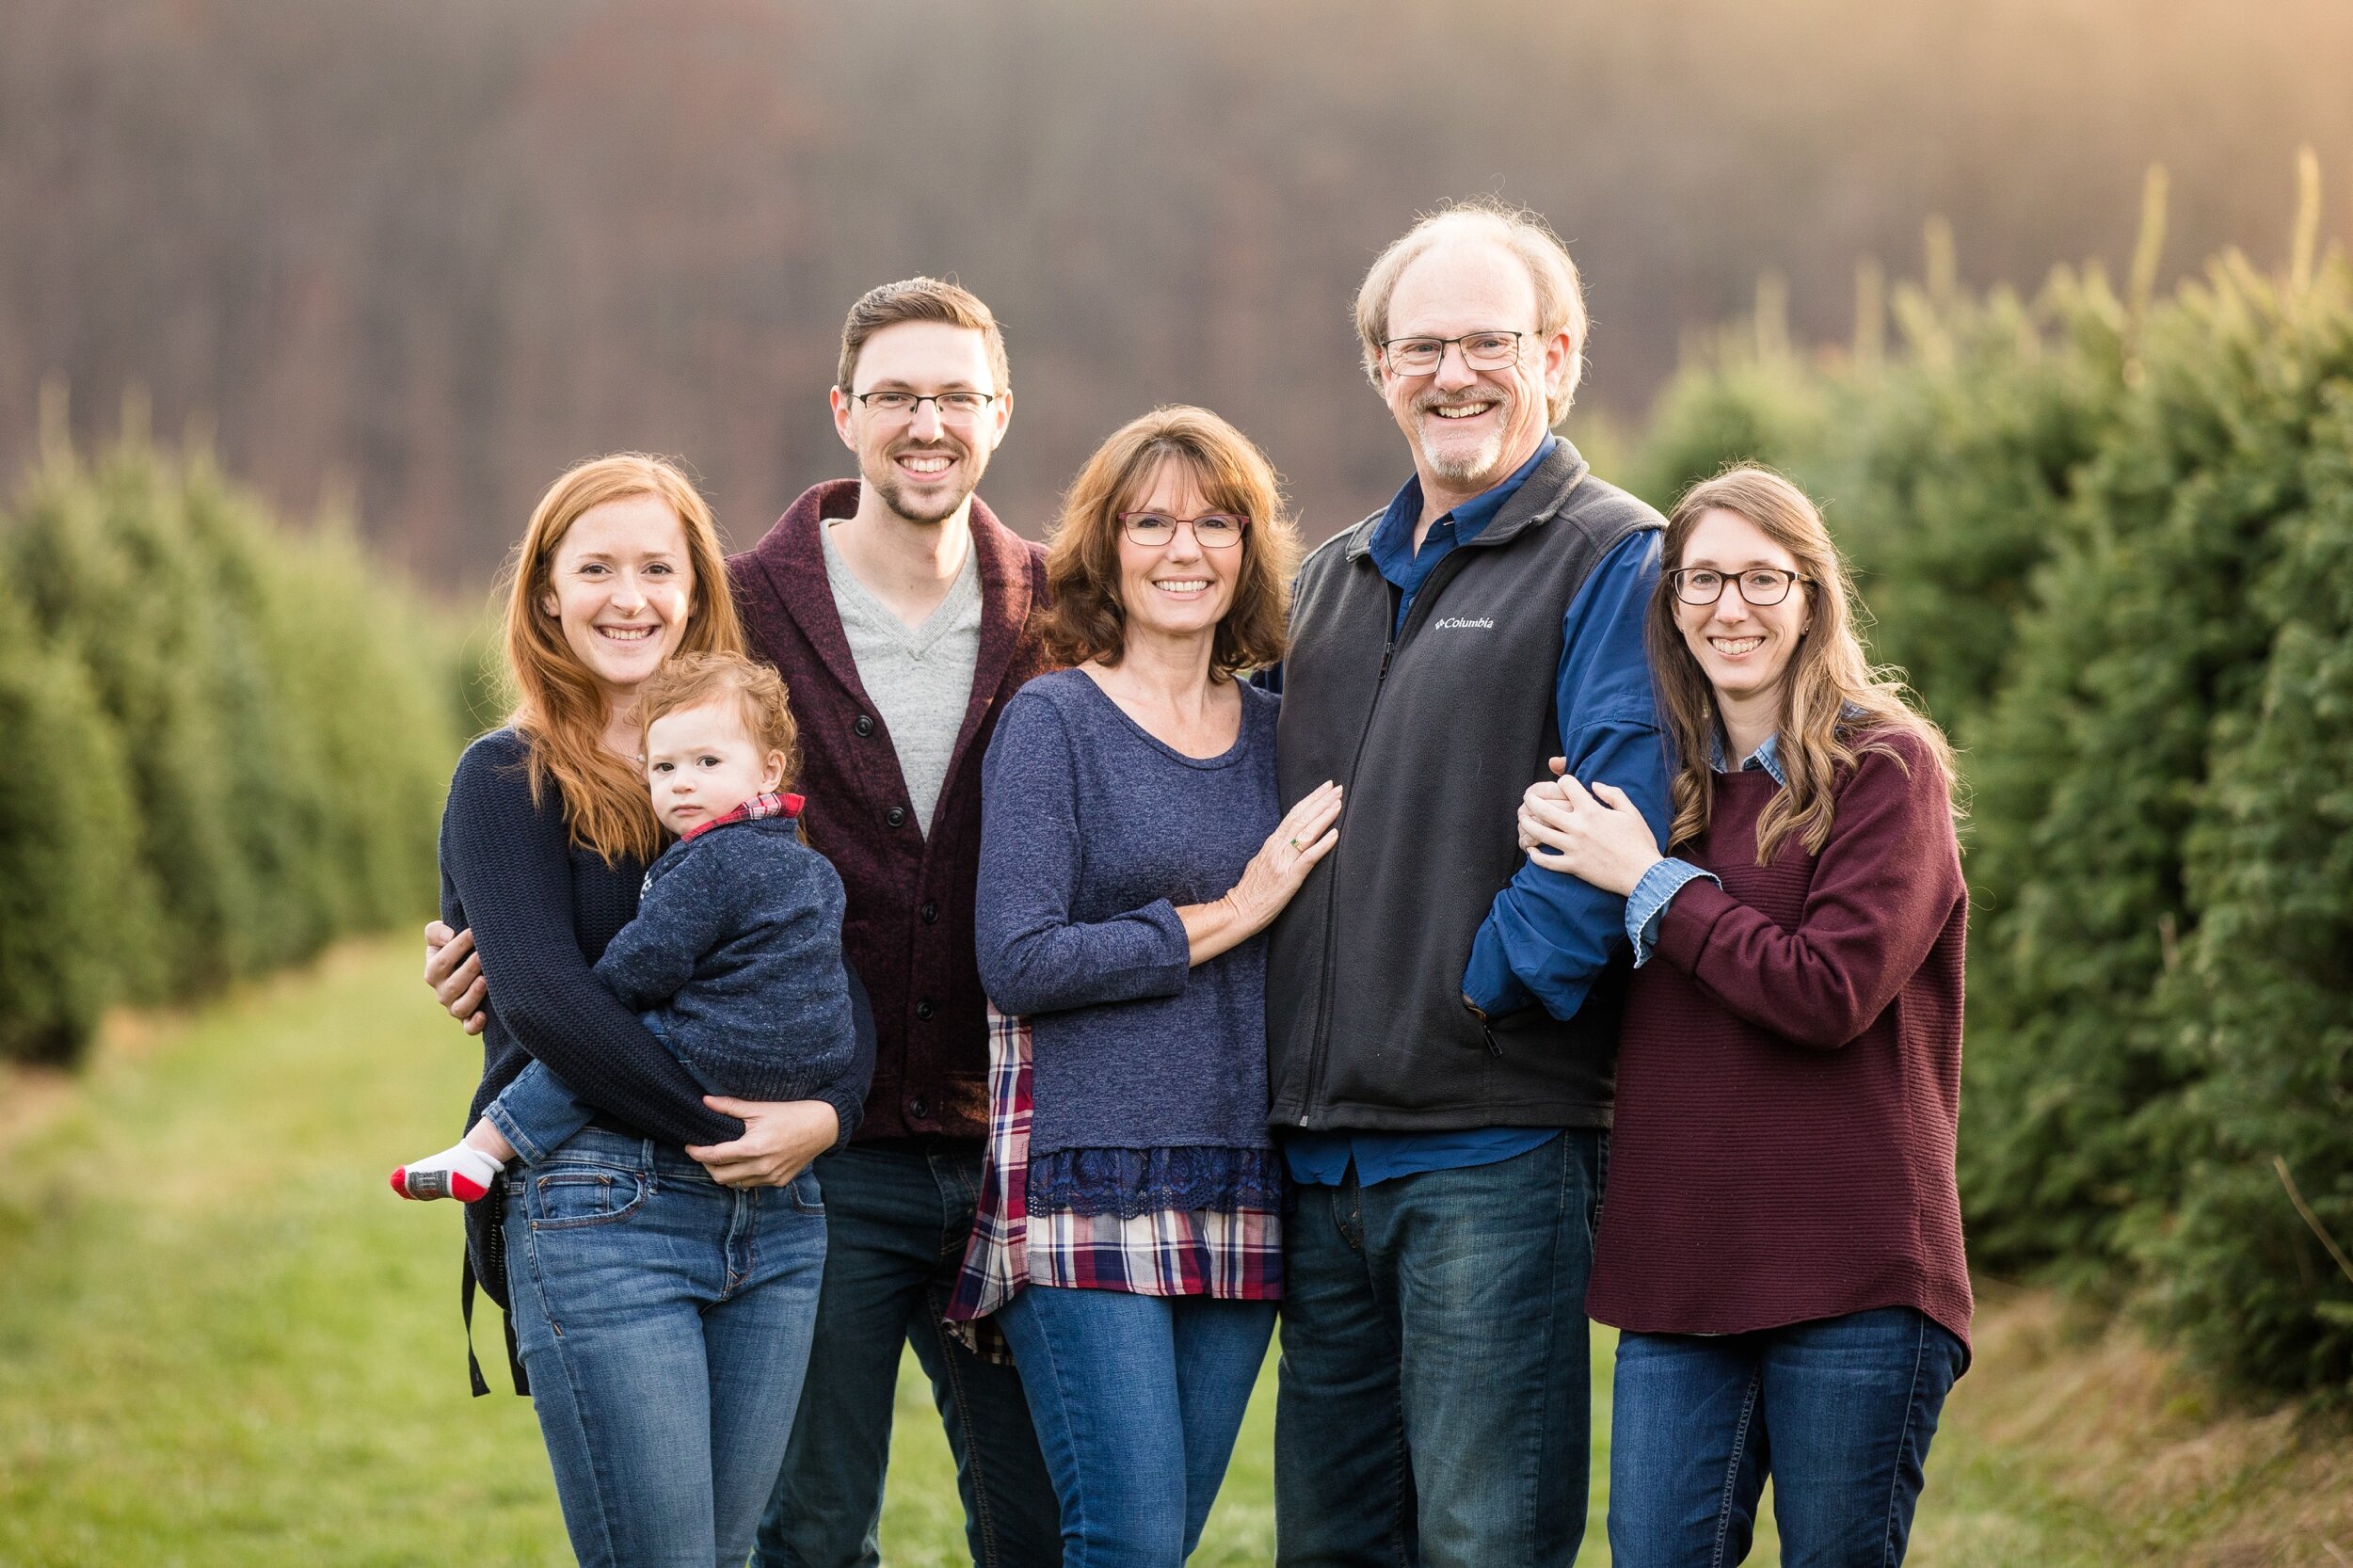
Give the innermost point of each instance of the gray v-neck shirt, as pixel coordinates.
(919, 677)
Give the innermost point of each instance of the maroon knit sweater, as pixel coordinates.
(1789, 1073)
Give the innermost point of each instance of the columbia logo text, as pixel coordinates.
(1463, 623)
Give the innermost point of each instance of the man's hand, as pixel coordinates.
(455, 972)
(780, 1138)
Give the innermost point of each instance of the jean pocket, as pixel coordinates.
(576, 1196)
(808, 1197)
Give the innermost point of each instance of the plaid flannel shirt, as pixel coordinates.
(755, 810)
(1235, 1256)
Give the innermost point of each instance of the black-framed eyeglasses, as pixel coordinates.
(1211, 529)
(1761, 586)
(1480, 351)
(955, 408)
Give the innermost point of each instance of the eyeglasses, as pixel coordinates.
(954, 408)
(1211, 529)
(1480, 351)
(1761, 586)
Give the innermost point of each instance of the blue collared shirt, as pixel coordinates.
(1607, 716)
(1663, 881)
(1408, 569)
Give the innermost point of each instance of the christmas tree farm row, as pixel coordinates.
(223, 742)
(2109, 537)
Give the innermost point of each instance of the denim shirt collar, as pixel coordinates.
(1767, 757)
(1393, 539)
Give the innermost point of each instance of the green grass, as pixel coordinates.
(223, 1344)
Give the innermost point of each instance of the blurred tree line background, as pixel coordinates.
(426, 252)
(223, 742)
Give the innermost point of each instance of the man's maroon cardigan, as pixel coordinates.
(909, 926)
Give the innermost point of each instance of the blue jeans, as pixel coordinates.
(1137, 1402)
(1434, 1405)
(900, 1217)
(1839, 1412)
(537, 1113)
(664, 1321)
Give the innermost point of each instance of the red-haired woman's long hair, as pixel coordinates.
(560, 710)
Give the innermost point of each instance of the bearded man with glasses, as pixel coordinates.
(899, 610)
(1441, 1017)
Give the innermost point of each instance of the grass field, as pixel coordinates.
(224, 1345)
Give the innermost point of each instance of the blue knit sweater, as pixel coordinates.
(1092, 832)
(737, 951)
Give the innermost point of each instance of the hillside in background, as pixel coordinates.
(426, 252)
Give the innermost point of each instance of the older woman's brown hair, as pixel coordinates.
(1088, 619)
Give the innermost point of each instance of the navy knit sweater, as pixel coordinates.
(542, 910)
(737, 950)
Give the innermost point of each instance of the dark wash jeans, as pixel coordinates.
(664, 1321)
(1839, 1412)
(1434, 1404)
(899, 1216)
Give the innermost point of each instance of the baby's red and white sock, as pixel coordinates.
(460, 1172)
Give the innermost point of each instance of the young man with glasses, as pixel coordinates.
(897, 608)
(1442, 1017)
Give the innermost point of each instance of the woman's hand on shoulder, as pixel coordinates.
(1304, 836)
(780, 1138)
(1596, 835)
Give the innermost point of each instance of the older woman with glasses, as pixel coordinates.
(1133, 848)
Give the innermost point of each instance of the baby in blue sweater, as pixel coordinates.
(734, 957)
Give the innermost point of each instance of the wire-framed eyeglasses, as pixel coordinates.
(1480, 351)
(954, 408)
(1211, 529)
(1761, 586)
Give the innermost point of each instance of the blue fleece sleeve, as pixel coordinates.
(1548, 936)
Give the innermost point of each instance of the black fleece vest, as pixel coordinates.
(1434, 733)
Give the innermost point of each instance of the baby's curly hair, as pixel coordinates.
(691, 680)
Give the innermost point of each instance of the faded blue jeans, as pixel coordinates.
(1435, 1396)
(537, 1113)
(1137, 1402)
(665, 1323)
(1839, 1412)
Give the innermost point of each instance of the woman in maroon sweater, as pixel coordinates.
(1781, 1238)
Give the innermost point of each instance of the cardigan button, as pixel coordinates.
(930, 913)
(918, 1108)
(923, 1011)
(896, 816)
(864, 725)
